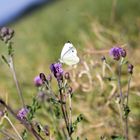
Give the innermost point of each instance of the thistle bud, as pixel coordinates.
(70, 90)
(67, 75)
(37, 81)
(103, 58)
(130, 68)
(42, 77)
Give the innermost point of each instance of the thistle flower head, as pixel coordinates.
(38, 81)
(23, 113)
(57, 70)
(117, 52)
(6, 33)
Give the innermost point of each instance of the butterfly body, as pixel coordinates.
(69, 54)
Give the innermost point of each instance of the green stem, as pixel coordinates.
(127, 101)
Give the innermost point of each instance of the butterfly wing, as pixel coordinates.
(70, 59)
(66, 48)
(69, 54)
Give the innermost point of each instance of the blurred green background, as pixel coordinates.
(40, 36)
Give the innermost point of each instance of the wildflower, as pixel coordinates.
(6, 33)
(57, 70)
(23, 113)
(130, 68)
(117, 52)
(38, 81)
(122, 52)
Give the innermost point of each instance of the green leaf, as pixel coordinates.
(5, 59)
(117, 138)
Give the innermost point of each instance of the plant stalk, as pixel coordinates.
(12, 68)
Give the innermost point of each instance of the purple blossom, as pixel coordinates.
(57, 70)
(117, 52)
(122, 52)
(23, 113)
(38, 81)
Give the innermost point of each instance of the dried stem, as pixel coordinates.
(7, 118)
(7, 134)
(70, 111)
(113, 11)
(12, 68)
(64, 111)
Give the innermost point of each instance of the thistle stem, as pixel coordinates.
(70, 111)
(64, 111)
(120, 92)
(127, 101)
(12, 68)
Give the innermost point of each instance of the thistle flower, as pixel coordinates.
(57, 70)
(117, 52)
(122, 52)
(6, 33)
(37, 81)
(23, 113)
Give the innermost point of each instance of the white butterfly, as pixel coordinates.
(69, 54)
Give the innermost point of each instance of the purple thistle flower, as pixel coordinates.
(57, 70)
(23, 113)
(37, 81)
(117, 52)
(122, 52)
